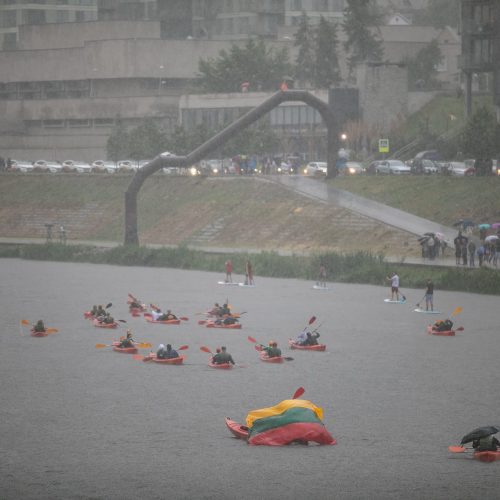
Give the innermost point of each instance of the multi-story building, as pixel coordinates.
(480, 30)
(15, 13)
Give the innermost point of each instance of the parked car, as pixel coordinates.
(494, 165)
(316, 168)
(127, 166)
(392, 167)
(21, 166)
(353, 168)
(47, 166)
(80, 167)
(459, 168)
(109, 167)
(423, 166)
(371, 169)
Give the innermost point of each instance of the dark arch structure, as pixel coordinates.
(168, 160)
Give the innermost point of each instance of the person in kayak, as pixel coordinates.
(311, 338)
(171, 353)
(167, 316)
(223, 357)
(225, 310)
(161, 352)
(39, 327)
(215, 311)
(443, 325)
(394, 279)
(301, 337)
(128, 341)
(272, 350)
(93, 311)
(99, 312)
(486, 443)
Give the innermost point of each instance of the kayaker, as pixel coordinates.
(225, 310)
(443, 325)
(161, 352)
(215, 311)
(272, 349)
(171, 353)
(486, 443)
(108, 319)
(301, 337)
(167, 316)
(311, 338)
(223, 357)
(93, 311)
(215, 357)
(394, 279)
(128, 341)
(39, 326)
(100, 312)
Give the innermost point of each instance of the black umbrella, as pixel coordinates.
(479, 433)
(428, 234)
(459, 223)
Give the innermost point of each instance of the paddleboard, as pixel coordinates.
(229, 283)
(245, 285)
(426, 312)
(317, 287)
(390, 301)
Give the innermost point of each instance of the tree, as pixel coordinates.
(305, 62)
(116, 146)
(262, 66)
(422, 69)
(362, 44)
(480, 139)
(438, 13)
(145, 141)
(327, 70)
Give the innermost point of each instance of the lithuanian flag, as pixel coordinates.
(291, 420)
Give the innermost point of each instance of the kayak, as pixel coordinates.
(212, 324)
(38, 334)
(220, 366)
(390, 301)
(445, 333)
(238, 430)
(418, 310)
(275, 359)
(210, 314)
(165, 361)
(294, 345)
(100, 324)
(487, 456)
(136, 311)
(124, 350)
(149, 318)
(88, 315)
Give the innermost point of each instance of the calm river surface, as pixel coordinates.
(81, 422)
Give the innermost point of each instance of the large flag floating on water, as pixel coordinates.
(291, 420)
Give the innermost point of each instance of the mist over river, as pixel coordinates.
(78, 422)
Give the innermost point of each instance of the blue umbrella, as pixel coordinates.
(484, 226)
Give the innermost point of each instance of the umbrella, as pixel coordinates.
(484, 226)
(422, 239)
(496, 225)
(478, 433)
(491, 237)
(440, 236)
(458, 223)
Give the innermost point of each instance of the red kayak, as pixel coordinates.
(446, 333)
(234, 326)
(136, 311)
(317, 347)
(275, 359)
(149, 318)
(124, 350)
(220, 366)
(165, 361)
(487, 456)
(38, 334)
(88, 315)
(238, 430)
(100, 324)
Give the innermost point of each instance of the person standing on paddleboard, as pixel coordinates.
(249, 273)
(394, 279)
(429, 295)
(229, 271)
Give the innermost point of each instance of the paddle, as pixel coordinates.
(298, 393)
(418, 303)
(140, 345)
(458, 449)
(456, 311)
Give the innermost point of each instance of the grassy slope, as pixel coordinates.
(441, 199)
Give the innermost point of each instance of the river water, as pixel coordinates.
(80, 422)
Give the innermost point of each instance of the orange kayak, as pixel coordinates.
(124, 350)
(487, 456)
(446, 333)
(238, 430)
(38, 334)
(165, 361)
(149, 318)
(100, 324)
(317, 347)
(234, 326)
(275, 359)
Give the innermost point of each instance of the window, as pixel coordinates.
(9, 41)
(104, 122)
(78, 123)
(52, 90)
(297, 5)
(8, 19)
(53, 123)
